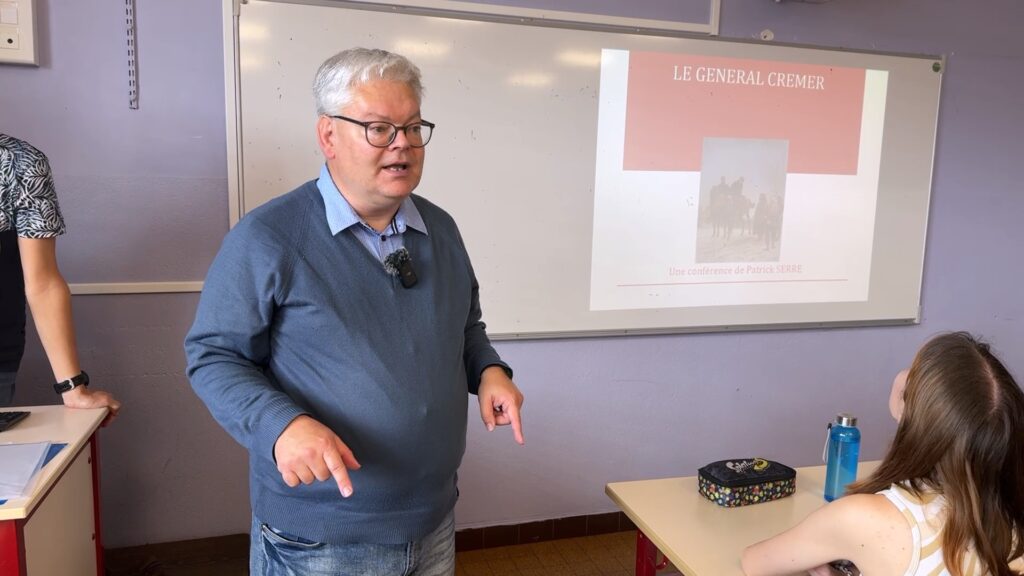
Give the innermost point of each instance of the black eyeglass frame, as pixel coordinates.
(394, 134)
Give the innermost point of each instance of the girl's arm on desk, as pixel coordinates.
(858, 528)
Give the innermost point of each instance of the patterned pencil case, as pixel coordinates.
(732, 483)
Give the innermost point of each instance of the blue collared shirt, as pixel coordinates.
(341, 216)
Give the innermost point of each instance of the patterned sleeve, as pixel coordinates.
(36, 211)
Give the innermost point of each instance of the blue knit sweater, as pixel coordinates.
(293, 320)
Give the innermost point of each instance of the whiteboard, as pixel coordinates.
(615, 182)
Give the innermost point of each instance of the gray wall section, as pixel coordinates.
(598, 410)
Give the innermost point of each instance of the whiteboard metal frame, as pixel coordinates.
(136, 287)
(232, 118)
(533, 16)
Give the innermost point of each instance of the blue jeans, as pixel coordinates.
(275, 553)
(6, 388)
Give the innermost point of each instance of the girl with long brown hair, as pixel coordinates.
(948, 499)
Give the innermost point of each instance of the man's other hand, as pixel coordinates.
(500, 401)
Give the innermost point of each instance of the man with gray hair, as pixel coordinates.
(338, 336)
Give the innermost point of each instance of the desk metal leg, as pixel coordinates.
(647, 556)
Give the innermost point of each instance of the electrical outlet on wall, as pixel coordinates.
(18, 32)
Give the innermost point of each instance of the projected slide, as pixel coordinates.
(726, 181)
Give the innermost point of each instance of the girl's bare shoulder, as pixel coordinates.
(876, 531)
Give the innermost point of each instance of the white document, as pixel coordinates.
(19, 464)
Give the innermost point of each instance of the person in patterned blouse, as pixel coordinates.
(30, 221)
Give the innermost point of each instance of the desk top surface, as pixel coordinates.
(55, 424)
(704, 539)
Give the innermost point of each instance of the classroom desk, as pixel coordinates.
(56, 529)
(702, 538)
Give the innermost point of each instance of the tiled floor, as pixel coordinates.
(604, 555)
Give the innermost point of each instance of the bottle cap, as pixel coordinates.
(844, 419)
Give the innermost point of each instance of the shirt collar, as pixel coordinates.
(341, 215)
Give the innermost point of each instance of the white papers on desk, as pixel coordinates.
(19, 464)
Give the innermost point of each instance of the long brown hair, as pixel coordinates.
(962, 435)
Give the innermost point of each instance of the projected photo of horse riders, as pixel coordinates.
(742, 196)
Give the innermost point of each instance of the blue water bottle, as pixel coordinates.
(842, 448)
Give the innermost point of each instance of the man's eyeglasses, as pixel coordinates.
(381, 134)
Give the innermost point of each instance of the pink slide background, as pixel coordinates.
(667, 120)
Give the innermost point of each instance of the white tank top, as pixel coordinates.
(926, 517)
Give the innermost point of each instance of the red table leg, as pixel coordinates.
(647, 556)
(12, 549)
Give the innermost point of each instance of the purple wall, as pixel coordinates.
(598, 410)
(143, 191)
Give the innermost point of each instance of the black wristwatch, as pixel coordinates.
(82, 379)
